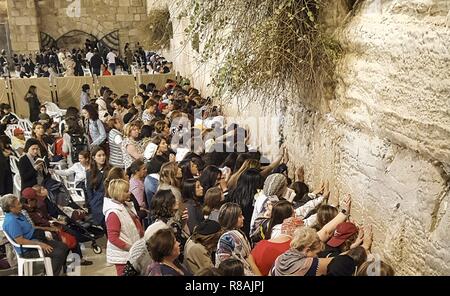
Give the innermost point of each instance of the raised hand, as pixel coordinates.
(300, 174)
(368, 237)
(346, 204)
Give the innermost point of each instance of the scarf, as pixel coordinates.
(291, 262)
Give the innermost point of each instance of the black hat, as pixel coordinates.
(85, 87)
(342, 265)
(30, 142)
(207, 227)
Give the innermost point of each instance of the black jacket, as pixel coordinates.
(28, 175)
(33, 105)
(96, 61)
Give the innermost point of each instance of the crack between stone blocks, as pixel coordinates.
(435, 215)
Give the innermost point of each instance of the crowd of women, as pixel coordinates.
(180, 199)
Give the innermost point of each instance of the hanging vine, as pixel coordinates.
(268, 45)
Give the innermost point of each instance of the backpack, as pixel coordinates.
(79, 143)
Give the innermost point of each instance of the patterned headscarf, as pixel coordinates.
(290, 225)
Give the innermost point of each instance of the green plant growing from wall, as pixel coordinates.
(268, 45)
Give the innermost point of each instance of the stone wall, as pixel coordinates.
(97, 17)
(3, 11)
(384, 135)
(23, 24)
(127, 18)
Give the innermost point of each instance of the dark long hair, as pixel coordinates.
(230, 161)
(280, 211)
(161, 206)
(94, 180)
(247, 186)
(240, 161)
(185, 166)
(188, 191)
(208, 178)
(32, 91)
(93, 114)
(73, 126)
(135, 167)
(72, 112)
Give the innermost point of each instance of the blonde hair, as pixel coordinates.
(129, 127)
(117, 188)
(159, 126)
(168, 174)
(305, 237)
(137, 101)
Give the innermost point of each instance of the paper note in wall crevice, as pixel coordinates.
(181, 153)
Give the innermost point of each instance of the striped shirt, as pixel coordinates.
(115, 148)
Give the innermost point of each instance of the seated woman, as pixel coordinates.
(189, 169)
(41, 219)
(38, 132)
(231, 267)
(149, 112)
(78, 170)
(32, 171)
(201, 246)
(18, 141)
(22, 232)
(165, 250)
(164, 211)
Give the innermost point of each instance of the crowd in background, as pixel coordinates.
(100, 60)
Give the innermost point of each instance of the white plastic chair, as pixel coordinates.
(54, 111)
(10, 130)
(9, 133)
(87, 72)
(25, 125)
(77, 194)
(14, 161)
(25, 265)
(17, 183)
